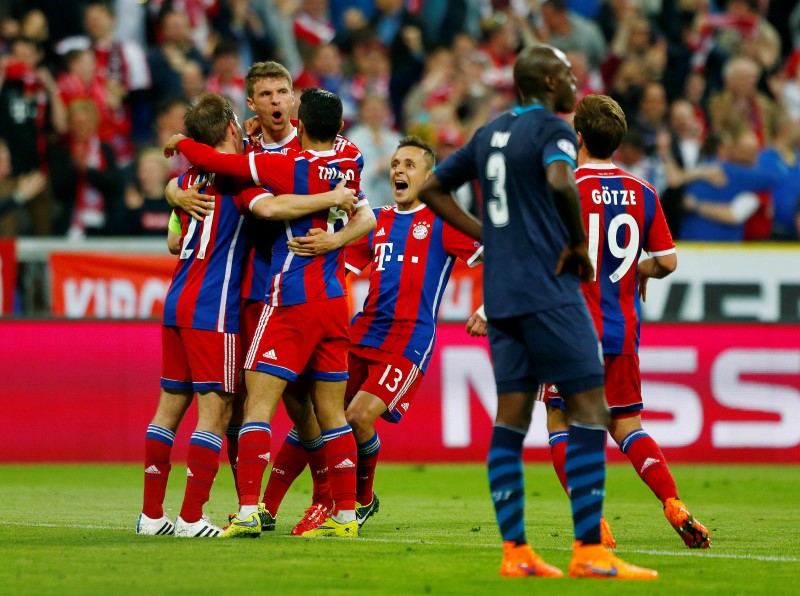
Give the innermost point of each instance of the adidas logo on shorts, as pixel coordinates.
(270, 354)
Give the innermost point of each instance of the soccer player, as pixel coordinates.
(538, 323)
(303, 327)
(412, 254)
(201, 348)
(623, 216)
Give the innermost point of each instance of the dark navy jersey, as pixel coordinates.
(523, 234)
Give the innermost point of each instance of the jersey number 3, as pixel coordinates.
(498, 204)
(627, 253)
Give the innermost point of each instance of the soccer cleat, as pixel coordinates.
(267, 519)
(146, 526)
(606, 537)
(330, 527)
(519, 560)
(202, 528)
(367, 511)
(694, 534)
(315, 516)
(594, 561)
(249, 527)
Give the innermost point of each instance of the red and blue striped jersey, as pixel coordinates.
(622, 215)
(412, 254)
(204, 293)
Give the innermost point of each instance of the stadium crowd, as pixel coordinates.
(89, 90)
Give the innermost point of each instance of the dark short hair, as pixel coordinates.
(427, 150)
(321, 114)
(207, 121)
(601, 122)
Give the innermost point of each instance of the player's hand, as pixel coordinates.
(575, 259)
(193, 202)
(317, 242)
(643, 285)
(476, 325)
(171, 146)
(344, 198)
(251, 128)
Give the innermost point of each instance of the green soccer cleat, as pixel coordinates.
(249, 527)
(333, 528)
(364, 512)
(267, 519)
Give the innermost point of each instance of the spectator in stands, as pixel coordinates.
(30, 111)
(171, 55)
(85, 177)
(312, 26)
(227, 78)
(631, 39)
(568, 31)
(169, 121)
(740, 104)
(378, 142)
(371, 64)
(440, 84)
(146, 211)
(326, 68)
(15, 192)
(589, 81)
(193, 83)
(632, 156)
(718, 213)
(241, 23)
(500, 44)
(783, 160)
(651, 117)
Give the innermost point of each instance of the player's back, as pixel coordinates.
(523, 233)
(205, 287)
(622, 216)
(296, 280)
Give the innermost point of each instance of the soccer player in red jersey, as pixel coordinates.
(623, 217)
(303, 328)
(412, 253)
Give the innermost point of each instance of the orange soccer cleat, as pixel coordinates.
(694, 534)
(595, 561)
(519, 560)
(606, 537)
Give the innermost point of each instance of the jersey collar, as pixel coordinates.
(522, 109)
(599, 166)
(282, 143)
(325, 153)
(414, 210)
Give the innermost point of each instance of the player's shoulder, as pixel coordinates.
(346, 148)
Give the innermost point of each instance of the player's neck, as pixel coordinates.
(270, 136)
(410, 206)
(587, 159)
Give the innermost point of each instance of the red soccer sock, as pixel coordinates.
(368, 453)
(341, 447)
(289, 464)
(650, 463)
(157, 450)
(232, 449)
(558, 453)
(320, 474)
(201, 469)
(254, 445)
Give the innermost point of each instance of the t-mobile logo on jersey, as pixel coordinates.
(383, 254)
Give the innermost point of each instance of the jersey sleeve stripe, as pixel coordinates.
(565, 158)
(257, 198)
(352, 268)
(473, 260)
(253, 170)
(661, 253)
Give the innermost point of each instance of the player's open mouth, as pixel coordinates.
(277, 116)
(400, 187)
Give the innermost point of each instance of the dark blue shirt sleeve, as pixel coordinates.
(459, 168)
(559, 142)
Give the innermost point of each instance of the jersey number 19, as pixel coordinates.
(627, 253)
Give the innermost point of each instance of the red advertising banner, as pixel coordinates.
(713, 393)
(8, 275)
(109, 286)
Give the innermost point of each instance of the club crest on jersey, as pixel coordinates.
(421, 231)
(567, 147)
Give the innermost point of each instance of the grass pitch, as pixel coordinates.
(69, 530)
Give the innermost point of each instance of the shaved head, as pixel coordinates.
(543, 73)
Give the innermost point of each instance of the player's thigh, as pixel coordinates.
(214, 360)
(283, 341)
(213, 411)
(623, 385)
(175, 373)
(511, 363)
(391, 378)
(564, 348)
(329, 360)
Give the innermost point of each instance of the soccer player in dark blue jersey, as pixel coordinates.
(539, 326)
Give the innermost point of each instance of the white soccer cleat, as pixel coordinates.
(202, 528)
(146, 526)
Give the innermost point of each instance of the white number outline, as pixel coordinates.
(628, 253)
(497, 207)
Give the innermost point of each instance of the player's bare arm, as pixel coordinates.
(190, 200)
(171, 146)
(476, 325)
(290, 206)
(442, 203)
(319, 242)
(575, 257)
(658, 267)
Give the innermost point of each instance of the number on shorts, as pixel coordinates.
(395, 382)
(498, 204)
(627, 253)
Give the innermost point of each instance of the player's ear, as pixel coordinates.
(580, 139)
(341, 126)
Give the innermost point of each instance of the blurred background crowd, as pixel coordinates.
(89, 91)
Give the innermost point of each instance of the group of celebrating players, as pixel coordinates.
(265, 230)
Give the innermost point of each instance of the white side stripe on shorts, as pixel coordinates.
(266, 313)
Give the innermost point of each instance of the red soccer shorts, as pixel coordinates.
(310, 339)
(623, 386)
(391, 377)
(249, 314)
(199, 360)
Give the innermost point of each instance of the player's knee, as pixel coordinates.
(358, 419)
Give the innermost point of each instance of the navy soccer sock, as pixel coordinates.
(586, 476)
(507, 483)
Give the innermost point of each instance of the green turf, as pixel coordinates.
(69, 530)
